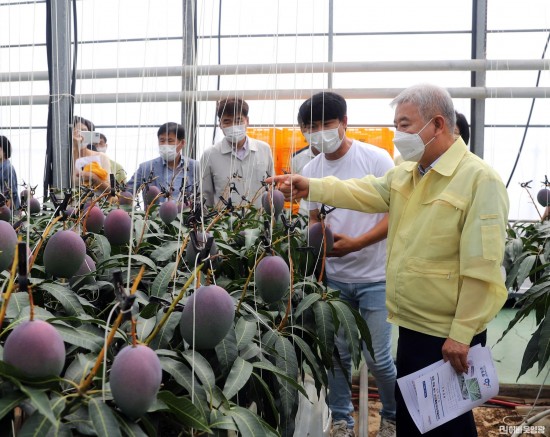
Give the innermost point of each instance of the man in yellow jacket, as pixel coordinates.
(448, 211)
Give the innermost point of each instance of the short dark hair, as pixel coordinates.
(463, 127)
(103, 137)
(6, 146)
(233, 106)
(171, 128)
(322, 106)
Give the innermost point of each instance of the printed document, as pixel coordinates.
(436, 394)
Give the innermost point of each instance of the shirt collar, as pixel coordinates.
(182, 161)
(446, 164)
(227, 147)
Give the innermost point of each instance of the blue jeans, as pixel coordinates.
(370, 300)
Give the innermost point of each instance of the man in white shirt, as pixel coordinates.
(235, 167)
(356, 264)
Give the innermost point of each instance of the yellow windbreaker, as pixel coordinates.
(446, 239)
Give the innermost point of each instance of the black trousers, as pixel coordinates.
(414, 352)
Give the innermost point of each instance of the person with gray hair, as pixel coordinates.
(448, 212)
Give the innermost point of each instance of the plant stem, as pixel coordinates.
(41, 241)
(86, 383)
(159, 195)
(321, 274)
(180, 254)
(172, 306)
(84, 219)
(250, 273)
(11, 286)
(284, 322)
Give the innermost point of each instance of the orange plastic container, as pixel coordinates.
(286, 141)
(377, 136)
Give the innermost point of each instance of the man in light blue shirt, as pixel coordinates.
(8, 177)
(171, 171)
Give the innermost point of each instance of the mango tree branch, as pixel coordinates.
(86, 383)
(10, 288)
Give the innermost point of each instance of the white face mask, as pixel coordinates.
(235, 133)
(101, 149)
(325, 141)
(168, 152)
(409, 145)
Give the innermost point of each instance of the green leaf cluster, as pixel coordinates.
(248, 383)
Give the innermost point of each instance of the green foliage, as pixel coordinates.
(248, 383)
(527, 257)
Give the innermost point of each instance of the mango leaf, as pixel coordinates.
(80, 366)
(80, 419)
(217, 399)
(166, 251)
(268, 394)
(245, 332)
(250, 351)
(237, 378)
(129, 428)
(525, 268)
(226, 248)
(531, 352)
(204, 372)
(41, 424)
(269, 339)
(58, 403)
(144, 327)
(202, 369)
(250, 424)
(544, 341)
(83, 301)
(18, 301)
(101, 247)
(184, 410)
(9, 401)
(39, 313)
(325, 330)
(35, 426)
(306, 302)
(348, 325)
(65, 297)
(40, 400)
(139, 228)
(286, 361)
(183, 376)
(528, 303)
(220, 421)
(103, 419)
(512, 250)
(136, 259)
(512, 275)
(319, 373)
(80, 338)
(167, 331)
(16, 377)
(226, 351)
(162, 279)
(266, 365)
